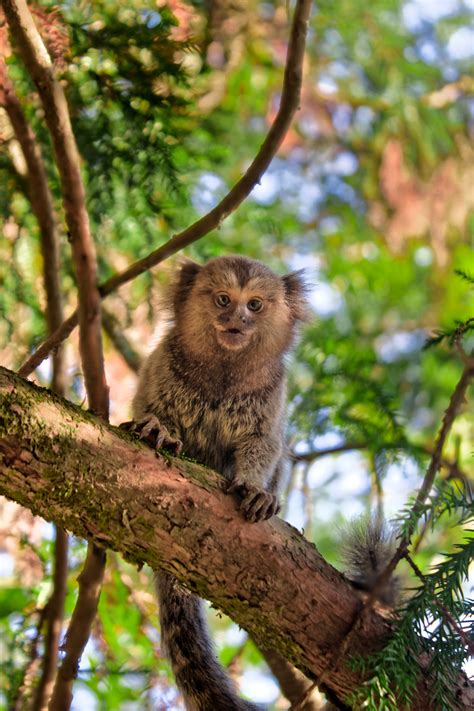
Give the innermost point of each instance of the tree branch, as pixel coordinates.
(455, 402)
(43, 208)
(40, 67)
(289, 104)
(94, 480)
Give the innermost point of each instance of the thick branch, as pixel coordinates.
(96, 482)
(289, 104)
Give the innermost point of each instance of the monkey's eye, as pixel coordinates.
(222, 300)
(255, 305)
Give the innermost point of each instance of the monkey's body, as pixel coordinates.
(216, 384)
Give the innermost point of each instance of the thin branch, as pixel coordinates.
(289, 104)
(455, 472)
(43, 209)
(90, 584)
(320, 453)
(293, 683)
(24, 688)
(447, 616)
(455, 402)
(55, 615)
(120, 341)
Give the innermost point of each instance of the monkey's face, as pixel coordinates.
(237, 315)
(236, 305)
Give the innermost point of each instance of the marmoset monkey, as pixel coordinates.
(215, 386)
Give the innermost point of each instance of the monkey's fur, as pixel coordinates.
(215, 385)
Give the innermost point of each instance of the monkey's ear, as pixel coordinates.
(296, 290)
(184, 281)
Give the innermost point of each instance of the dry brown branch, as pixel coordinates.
(25, 687)
(120, 341)
(40, 67)
(43, 209)
(289, 104)
(90, 584)
(96, 481)
(293, 683)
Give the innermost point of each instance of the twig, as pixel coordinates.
(55, 614)
(453, 466)
(455, 402)
(289, 104)
(20, 699)
(293, 683)
(469, 644)
(120, 341)
(39, 65)
(320, 453)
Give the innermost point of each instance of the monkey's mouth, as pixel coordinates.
(232, 338)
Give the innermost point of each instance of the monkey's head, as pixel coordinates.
(236, 305)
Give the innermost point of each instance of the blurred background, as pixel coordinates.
(371, 192)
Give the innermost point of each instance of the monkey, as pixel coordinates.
(215, 388)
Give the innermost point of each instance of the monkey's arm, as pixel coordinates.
(150, 405)
(257, 459)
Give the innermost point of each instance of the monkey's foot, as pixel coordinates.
(150, 429)
(257, 504)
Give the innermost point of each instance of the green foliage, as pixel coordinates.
(426, 630)
(154, 159)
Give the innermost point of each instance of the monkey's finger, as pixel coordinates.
(254, 505)
(127, 426)
(175, 445)
(235, 487)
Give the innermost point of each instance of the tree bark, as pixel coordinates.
(97, 482)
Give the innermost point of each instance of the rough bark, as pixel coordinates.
(95, 481)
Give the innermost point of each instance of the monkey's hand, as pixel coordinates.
(257, 504)
(150, 429)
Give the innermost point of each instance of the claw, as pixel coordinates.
(257, 504)
(150, 430)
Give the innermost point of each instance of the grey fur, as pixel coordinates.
(217, 384)
(367, 545)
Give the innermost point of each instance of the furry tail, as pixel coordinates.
(185, 640)
(368, 543)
